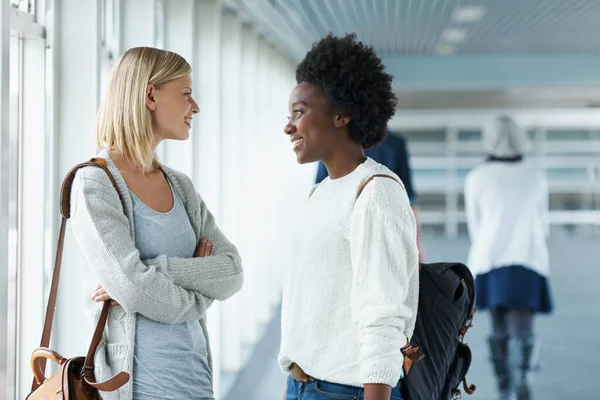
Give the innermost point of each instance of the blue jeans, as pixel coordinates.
(321, 390)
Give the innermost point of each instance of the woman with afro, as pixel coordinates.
(350, 294)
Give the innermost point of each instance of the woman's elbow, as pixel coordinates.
(234, 285)
(239, 282)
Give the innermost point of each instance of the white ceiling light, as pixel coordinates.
(468, 14)
(444, 49)
(454, 35)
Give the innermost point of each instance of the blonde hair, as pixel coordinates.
(124, 122)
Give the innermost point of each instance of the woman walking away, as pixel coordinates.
(506, 203)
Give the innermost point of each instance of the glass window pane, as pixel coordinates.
(571, 135)
(27, 6)
(424, 136)
(13, 234)
(470, 136)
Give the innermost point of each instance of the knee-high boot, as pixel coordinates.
(500, 361)
(524, 364)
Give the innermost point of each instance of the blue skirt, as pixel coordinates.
(513, 287)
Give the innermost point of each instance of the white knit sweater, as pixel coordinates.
(507, 214)
(351, 289)
(165, 289)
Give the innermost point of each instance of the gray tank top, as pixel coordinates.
(170, 361)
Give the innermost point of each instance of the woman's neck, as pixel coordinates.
(343, 163)
(128, 167)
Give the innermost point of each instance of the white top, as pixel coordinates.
(507, 216)
(350, 293)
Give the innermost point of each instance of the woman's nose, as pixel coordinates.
(289, 128)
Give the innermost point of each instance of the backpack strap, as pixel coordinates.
(373, 177)
(379, 176)
(65, 210)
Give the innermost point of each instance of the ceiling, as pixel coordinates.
(551, 48)
(428, 27)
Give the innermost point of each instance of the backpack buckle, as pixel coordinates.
(411, 354)
(468, 325)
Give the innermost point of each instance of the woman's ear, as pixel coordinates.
(341, 120)
(150, 100)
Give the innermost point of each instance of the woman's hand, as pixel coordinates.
(204, 249)
(99, 295)
(284, 391)
(377, 391)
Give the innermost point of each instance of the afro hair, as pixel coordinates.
(353, 79)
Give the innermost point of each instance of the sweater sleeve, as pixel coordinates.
(102, 232)
(217, 277)
(384, 259)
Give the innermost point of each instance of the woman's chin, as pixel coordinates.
(304, 158)
(184, 135)
(300, 157)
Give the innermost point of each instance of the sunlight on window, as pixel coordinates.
(24, 5)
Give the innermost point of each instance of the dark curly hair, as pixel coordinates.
(354, 81)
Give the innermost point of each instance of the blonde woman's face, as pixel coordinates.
(172, 108)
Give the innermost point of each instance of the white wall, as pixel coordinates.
(179, 37)
(5, 334)
(76, 80)
(231, 176)
(205, 136)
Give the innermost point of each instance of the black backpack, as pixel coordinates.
(446, 309)
(445, 314)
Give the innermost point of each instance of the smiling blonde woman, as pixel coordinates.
(158, 255)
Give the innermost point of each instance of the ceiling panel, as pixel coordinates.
(417, 27)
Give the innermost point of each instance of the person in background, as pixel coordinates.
(506, 201)
(392, 153)
(350, 294)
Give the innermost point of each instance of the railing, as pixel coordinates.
(444, 148)
(577, 217)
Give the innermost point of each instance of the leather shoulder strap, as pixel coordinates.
(65, 209)
(373, 177)
(65, 192)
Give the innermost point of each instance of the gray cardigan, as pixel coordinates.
(165, 289)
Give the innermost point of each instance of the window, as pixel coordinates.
(110, 40)
(26, 6)
(25, 187)
(159, 24)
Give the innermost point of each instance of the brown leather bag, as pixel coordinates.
(75, 376)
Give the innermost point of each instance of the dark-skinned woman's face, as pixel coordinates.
(311, 125)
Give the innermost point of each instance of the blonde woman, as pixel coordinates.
(160, 256)
(506, 202)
